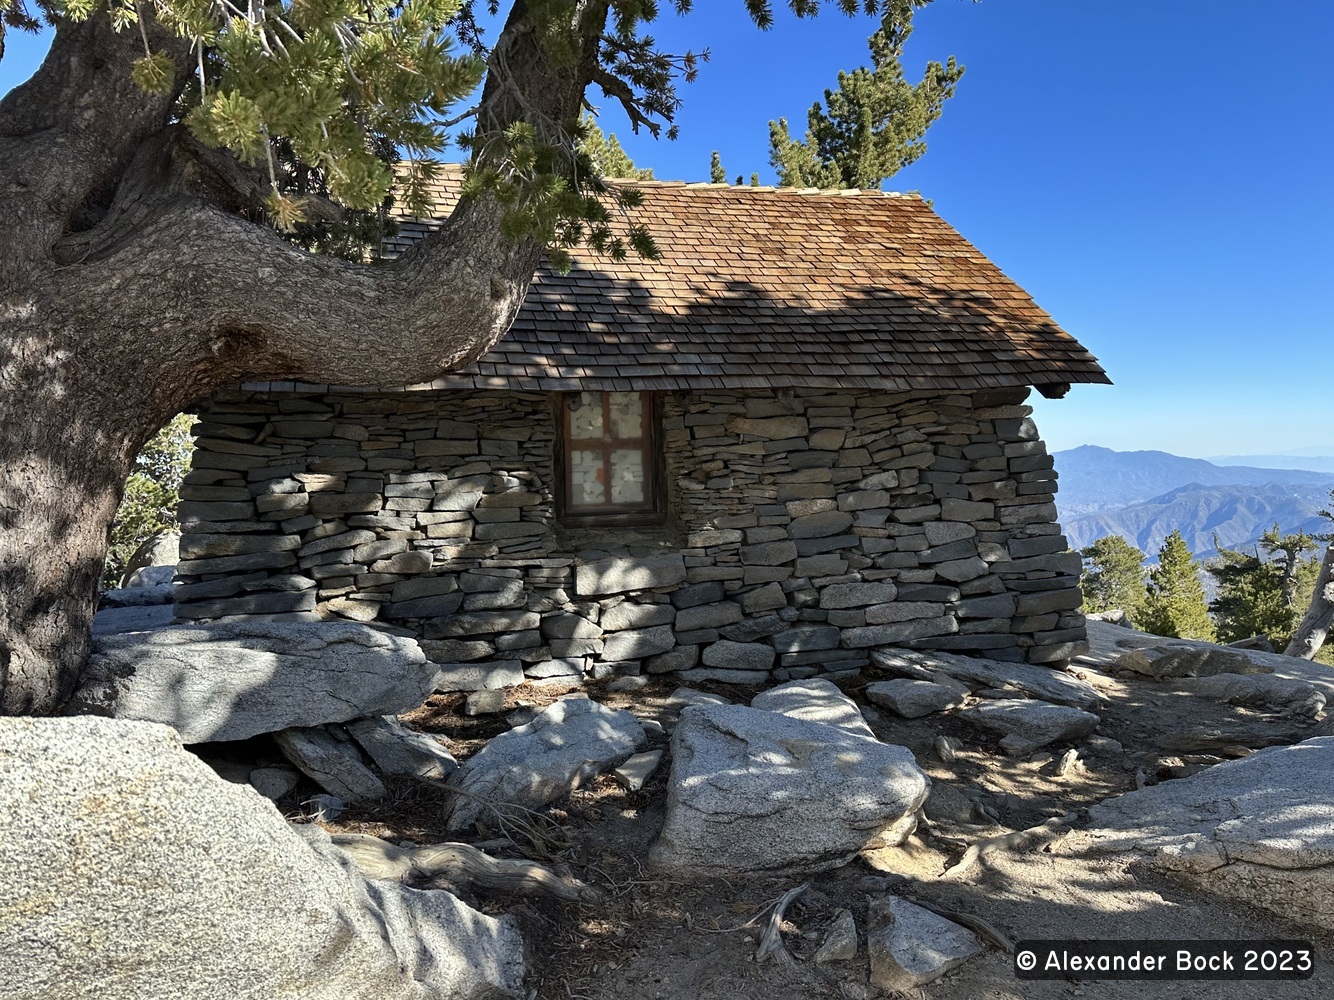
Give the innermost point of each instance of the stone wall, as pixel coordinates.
(802, 532)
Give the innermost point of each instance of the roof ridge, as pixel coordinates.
(709, 185)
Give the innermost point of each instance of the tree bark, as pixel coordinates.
(1319, 617)
(129, 289)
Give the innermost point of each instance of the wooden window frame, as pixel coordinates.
(654, 508)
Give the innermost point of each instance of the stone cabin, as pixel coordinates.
(797, 437)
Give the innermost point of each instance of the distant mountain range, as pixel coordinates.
(1144, 495)
(1316, 463)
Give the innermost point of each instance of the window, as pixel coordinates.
(610, 457)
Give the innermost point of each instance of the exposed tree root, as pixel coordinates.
(1021, 840)
(977, 925)
(771, 941)
(461, 865)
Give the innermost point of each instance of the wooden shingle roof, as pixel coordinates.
(772, 288)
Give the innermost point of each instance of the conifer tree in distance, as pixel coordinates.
(873, 125)
(1175, 602)
(607, 153)
(1113, 576)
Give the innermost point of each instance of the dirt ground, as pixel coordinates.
(656, 936)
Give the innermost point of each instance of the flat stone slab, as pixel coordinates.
(153, 877)
(396, 749)
(334, 766)
(1169, 661)
(115, 621)
(564, 746)
(913, 699)
(814, 700)
(1259, 829)
(909, 946)
(1295, 697)
(1027, 725)
(637, 769)
(237, 679)
(1108, 643)
(619, 574)
(1036, 682)
(755, 792)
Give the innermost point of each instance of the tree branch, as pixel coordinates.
(616, 88)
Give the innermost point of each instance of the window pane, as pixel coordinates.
(627, 415)
(586, 418)
(587, 478)
(627, 475)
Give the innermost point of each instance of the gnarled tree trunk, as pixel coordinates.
(131, 286)
(1319, 617)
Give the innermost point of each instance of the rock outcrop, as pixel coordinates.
(756, 792)
(131, 870)
(1260, 829)
(564, 746)
(234, 680)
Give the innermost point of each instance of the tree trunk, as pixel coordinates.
(130, 287)
(1315, 624)
(60, 482)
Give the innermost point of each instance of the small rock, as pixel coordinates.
(396, 749)
(274, 782)
(486, 703)
(840, 940)
(1029, 725)
(1103, 745)
(565, 745)
(325, 808)
(652, 727)
(634, 683)
(634, 772)
(910, 946)
(336, 767)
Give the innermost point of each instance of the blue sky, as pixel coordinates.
(1158, 174)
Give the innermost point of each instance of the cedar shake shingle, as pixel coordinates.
(775, 287)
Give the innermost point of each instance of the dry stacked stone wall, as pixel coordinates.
(803, 531)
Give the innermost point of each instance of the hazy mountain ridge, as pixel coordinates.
(1238, 514)
(1095, 479)
(1144, 495)
(1313, 463)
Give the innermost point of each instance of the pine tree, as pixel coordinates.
(1250, 597)
(873, 125)
(152, 493)
(717, 175)
(1315, 625)
(1175, 602)
(607, 154)
(1113, 576)
(1291, 546)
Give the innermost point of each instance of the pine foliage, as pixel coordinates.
(1174, 605)
(717, 175)
(873, 125)
(607, 154)
(1113, 576)
(151, 496)
(338, 82)
(1250, 598)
